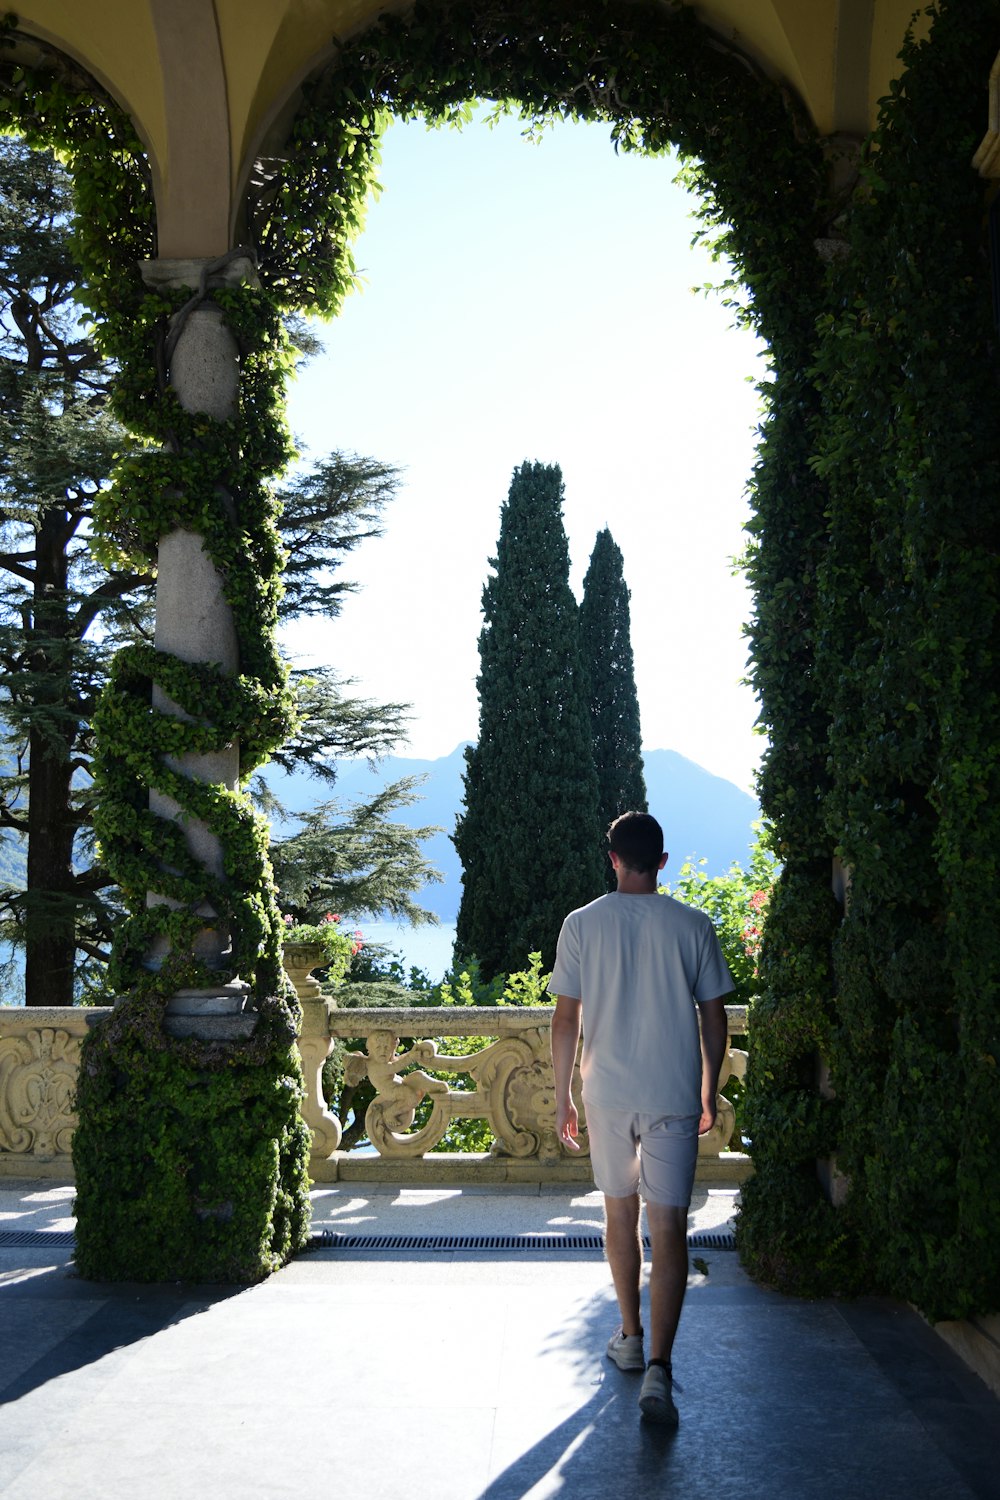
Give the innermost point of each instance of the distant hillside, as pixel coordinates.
(703, 816)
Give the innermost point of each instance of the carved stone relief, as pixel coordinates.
(514, 1093)
(38, 1071)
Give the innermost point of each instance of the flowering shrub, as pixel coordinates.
(737, 903)
(753, 928)
(339, 947)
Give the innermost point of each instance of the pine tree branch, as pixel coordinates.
(93, 880)
(100, 955)
(13, 562)
(116, 586)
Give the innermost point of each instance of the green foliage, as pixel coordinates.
(190, 1157)
(527, 838)
(908, 447)
(465, 985)
(60, 613)
(606, 645)
(378, 964)
(355, 858)
(737, 903)
(896, 609)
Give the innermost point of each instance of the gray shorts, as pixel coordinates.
(652, 1154)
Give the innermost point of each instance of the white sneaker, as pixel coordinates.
(655, 1400)
(626, 1350)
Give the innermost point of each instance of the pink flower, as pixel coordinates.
(289, 921)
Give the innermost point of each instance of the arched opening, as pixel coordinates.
(876, 613)
(523, 301)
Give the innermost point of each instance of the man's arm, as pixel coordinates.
(565, 1038)
(714, 1041)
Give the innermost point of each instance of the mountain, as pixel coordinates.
(703, 816)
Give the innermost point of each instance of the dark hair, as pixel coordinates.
(637, 839)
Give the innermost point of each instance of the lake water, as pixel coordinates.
(429, 948)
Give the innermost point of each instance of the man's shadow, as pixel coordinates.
(605, 1435)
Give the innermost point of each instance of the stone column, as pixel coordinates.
(193, 618)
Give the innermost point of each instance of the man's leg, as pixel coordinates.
(668, 1275)
(624, 1251)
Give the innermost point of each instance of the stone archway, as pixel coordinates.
(190, 949)
(771, 180)
(216, 90)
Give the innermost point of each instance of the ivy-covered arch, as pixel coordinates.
(660, 79)
(873, 560)
(870, 519)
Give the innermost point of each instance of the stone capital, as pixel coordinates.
(200, 273)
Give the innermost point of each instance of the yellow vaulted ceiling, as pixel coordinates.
(204, 79)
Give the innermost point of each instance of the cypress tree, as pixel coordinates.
(606, 644)
(526, 837)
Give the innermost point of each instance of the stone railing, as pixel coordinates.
(512, 1077)
(513, 1092)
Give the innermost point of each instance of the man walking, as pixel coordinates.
(632, 966)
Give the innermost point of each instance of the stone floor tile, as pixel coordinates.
(468, 1376)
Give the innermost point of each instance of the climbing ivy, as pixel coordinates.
(872, 558)
(212, 1182)
(907, 363)
(901, 782)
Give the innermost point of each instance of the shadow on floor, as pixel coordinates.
(87, 1321)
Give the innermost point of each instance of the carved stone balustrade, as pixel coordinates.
(512, 1092)
(315, 1042)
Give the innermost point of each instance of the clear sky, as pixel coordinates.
(534, 302)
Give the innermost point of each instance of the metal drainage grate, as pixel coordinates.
(333, 1239)
(31, 1239)
(711, 1239)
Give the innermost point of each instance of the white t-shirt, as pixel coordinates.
(639, 964)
